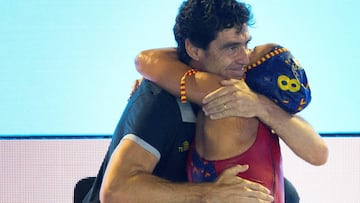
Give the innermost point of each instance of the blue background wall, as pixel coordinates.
(67, 67)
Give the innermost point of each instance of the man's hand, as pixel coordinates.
(235, 98)
(231, 188)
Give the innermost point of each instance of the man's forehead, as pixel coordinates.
(235, 33)
(243, 33)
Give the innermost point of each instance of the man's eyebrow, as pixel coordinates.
(230, 44)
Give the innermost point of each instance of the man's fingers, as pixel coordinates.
(267, 197)
(228, 82)
(234, 170)
(218, 95)
(246, 189)
(257, 187)
(257, 191)
(214, 95)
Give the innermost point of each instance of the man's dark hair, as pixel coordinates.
(201, 20)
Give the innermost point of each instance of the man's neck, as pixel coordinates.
(197, 65)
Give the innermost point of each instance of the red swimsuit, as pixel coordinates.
(263, 158)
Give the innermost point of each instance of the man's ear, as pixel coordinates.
(193, 51)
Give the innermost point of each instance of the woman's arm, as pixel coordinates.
(163, 67)
(298, 134)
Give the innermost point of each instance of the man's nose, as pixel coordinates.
(243, 57)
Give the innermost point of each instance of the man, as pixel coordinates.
(155, 133)
(146, 160)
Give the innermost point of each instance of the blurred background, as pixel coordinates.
(67, 68)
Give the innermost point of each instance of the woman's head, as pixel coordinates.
(274, 72)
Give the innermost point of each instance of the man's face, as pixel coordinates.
(228, 54)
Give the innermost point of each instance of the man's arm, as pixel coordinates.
(128, 178)
(292, 129)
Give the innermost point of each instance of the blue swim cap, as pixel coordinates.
(280, 77)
